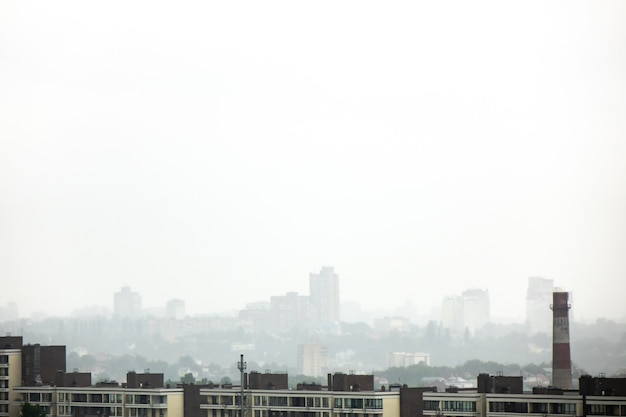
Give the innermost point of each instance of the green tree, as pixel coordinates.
(32, 410)
(188, 378)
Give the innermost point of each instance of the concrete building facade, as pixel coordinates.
(467, 313)
(345, 395)
(538, 300)
(10, 374)
(36, 374)
(313, 359)
(126, 304)
(324, 298)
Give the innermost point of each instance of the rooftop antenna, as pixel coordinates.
(241, 365)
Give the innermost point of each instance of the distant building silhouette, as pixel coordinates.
(289, 311)
(313, 359)
(468, 312)
(257, 314)
(389, 324)
(324, 298)
(317, 311)
(126, 304)
(476, 309)
(452, 315)
(175, 309)
(538, 300)
(404, 359)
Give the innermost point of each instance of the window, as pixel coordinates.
(375, 403)
(338, 403)
(459, 406)
(508, 407)
(603, 409)
(226, 400)
(430, 405)
(297, 402)
(354, 403)
(541, 408)
(278, 401)
(566, 408)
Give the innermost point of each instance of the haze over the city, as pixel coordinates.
(219, 153)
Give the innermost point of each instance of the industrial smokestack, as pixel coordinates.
(561, 357)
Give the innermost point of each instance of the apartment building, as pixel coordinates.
(10, 374)
(346, 395)
(498, 396)
(36, 374)
(105, 400)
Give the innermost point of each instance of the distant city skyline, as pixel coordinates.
(129, 302)
(220, 152)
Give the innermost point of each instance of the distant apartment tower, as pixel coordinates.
(175, 309)
(257, 314)
(126, 304)
(313, 359)
(392, 324)
(466, 313)
(452, 315)
(404, 359)
(324, 297)
(538, 299)
(289, 311)
(476, 309)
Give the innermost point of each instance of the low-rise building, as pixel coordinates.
(346, 395)
(148, 399)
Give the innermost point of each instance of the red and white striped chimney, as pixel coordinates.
(561, 357)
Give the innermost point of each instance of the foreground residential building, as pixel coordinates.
(503, 396)
(63, 394)
(107, 399)
(36, 374)
(268, 395)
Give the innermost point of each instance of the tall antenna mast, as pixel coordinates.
(241, 365)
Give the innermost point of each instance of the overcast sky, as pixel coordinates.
(219, 152)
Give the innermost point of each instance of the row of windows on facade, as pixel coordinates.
(284, 413)
(525, 408)
(46, 397)
(63, 410)
(314, 402)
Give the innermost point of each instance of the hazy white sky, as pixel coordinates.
(219, 152)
